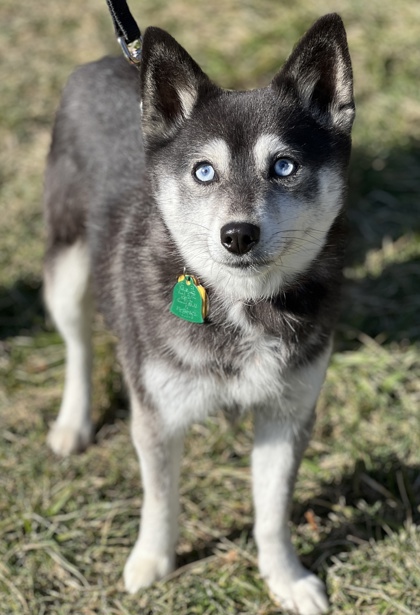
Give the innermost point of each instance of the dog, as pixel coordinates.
(208, 227)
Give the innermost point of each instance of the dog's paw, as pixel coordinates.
(65, 439)
(143, 569)
(304, 596)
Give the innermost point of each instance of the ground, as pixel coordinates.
(66, 526)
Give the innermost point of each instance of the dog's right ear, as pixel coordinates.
(171, 83)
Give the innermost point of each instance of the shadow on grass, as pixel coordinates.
(366, 504)
(203, 549)
(21, 309)
(383, 198)
(384, 207)
(116, 406)
(385, 307)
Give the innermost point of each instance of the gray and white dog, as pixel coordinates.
(154, 176)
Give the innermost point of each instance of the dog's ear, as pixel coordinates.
(319, 70)
(171, 83)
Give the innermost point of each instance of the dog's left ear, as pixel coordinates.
(319, 70)
(171, 83)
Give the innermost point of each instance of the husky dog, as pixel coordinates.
(152, 177)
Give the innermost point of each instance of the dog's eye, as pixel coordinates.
(204, 172)
(284, 167)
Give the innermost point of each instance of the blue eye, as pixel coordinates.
(205, 172)
(284, 167)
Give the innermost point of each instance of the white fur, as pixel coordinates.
(68, 297)
(275, 458)
(237, 317)
(153, 555)
(266, 148)
(218, 153)
(183, 400)
(342, 111)
(306, 226)
(188, 98)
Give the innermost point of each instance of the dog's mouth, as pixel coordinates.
(248, 267)
(255, 262)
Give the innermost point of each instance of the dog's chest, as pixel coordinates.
(242, 372)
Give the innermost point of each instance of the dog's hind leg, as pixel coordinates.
(68, 297)
(153, 555)
(279, 444)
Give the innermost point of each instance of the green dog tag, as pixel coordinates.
(189, 300)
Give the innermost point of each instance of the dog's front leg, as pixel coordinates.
(153, 555)
(280, 439)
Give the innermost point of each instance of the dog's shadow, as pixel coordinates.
(381, 288)
(21, 308)
(382, 497)
(365, 504)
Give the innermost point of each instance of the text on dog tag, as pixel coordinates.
(189, 299)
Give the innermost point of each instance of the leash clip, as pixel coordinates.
(132, 51)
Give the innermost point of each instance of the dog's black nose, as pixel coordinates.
(239, 237)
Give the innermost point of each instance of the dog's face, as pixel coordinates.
(249, 183)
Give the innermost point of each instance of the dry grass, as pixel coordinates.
(66, 526)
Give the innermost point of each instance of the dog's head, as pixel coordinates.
(249, 183)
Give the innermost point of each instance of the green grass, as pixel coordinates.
(66, 526)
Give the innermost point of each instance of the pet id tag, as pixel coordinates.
(189, 299)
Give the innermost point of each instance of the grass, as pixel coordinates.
(66, 526)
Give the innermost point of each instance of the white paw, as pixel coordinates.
(305, 596)
(65, 439)
(143, 569)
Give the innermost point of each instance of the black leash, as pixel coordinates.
(126, 30)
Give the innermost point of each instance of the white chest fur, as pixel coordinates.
(263, 379)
